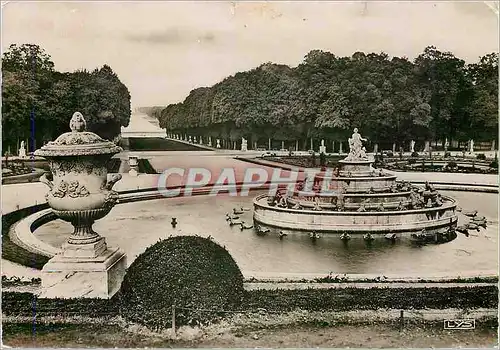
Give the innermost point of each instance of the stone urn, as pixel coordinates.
(81, 193)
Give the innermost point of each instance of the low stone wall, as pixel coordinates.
(11, 250)
(22, 233)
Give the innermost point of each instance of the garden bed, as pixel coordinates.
(306, 161)
(279, 300)
(448, 165)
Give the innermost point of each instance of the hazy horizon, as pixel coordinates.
(163, 50)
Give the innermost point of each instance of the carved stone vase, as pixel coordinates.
(81, 193)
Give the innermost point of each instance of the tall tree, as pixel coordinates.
(38, 101)
(445, 76)
(482, 120)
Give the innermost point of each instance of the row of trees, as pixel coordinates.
(38, 101)
(436, 96)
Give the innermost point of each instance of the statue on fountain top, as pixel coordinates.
(356, 149)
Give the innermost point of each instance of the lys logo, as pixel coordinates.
(460, 324)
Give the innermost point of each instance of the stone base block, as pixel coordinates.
(89, 250)
(74, 277)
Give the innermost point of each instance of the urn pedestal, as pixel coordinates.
(81, 277)
(81, 193)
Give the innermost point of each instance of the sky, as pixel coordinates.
(163, 50)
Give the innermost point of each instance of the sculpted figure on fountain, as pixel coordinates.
(356, 149)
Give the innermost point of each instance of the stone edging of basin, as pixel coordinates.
(22, 233)
(443, 283)
(382, 278)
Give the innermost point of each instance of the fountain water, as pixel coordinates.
(356, 198)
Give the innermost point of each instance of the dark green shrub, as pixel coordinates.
(452, 164)
(447, 154)
(189, 272)
(481, 156)
(494, 164)
(414, 154)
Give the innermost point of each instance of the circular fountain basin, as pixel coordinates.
(405, 221)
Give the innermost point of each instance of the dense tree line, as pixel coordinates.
(436, 96)
(38, 101)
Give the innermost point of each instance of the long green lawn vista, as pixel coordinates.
(159, 144)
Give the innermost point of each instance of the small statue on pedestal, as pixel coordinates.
(22, 150)
(322, 148)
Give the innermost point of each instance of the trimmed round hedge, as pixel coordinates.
(193, 273)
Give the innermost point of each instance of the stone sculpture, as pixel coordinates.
(22, 150)
(471, 146)
(356, 151)
(322, 148)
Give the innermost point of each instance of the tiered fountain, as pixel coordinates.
(356, 198)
